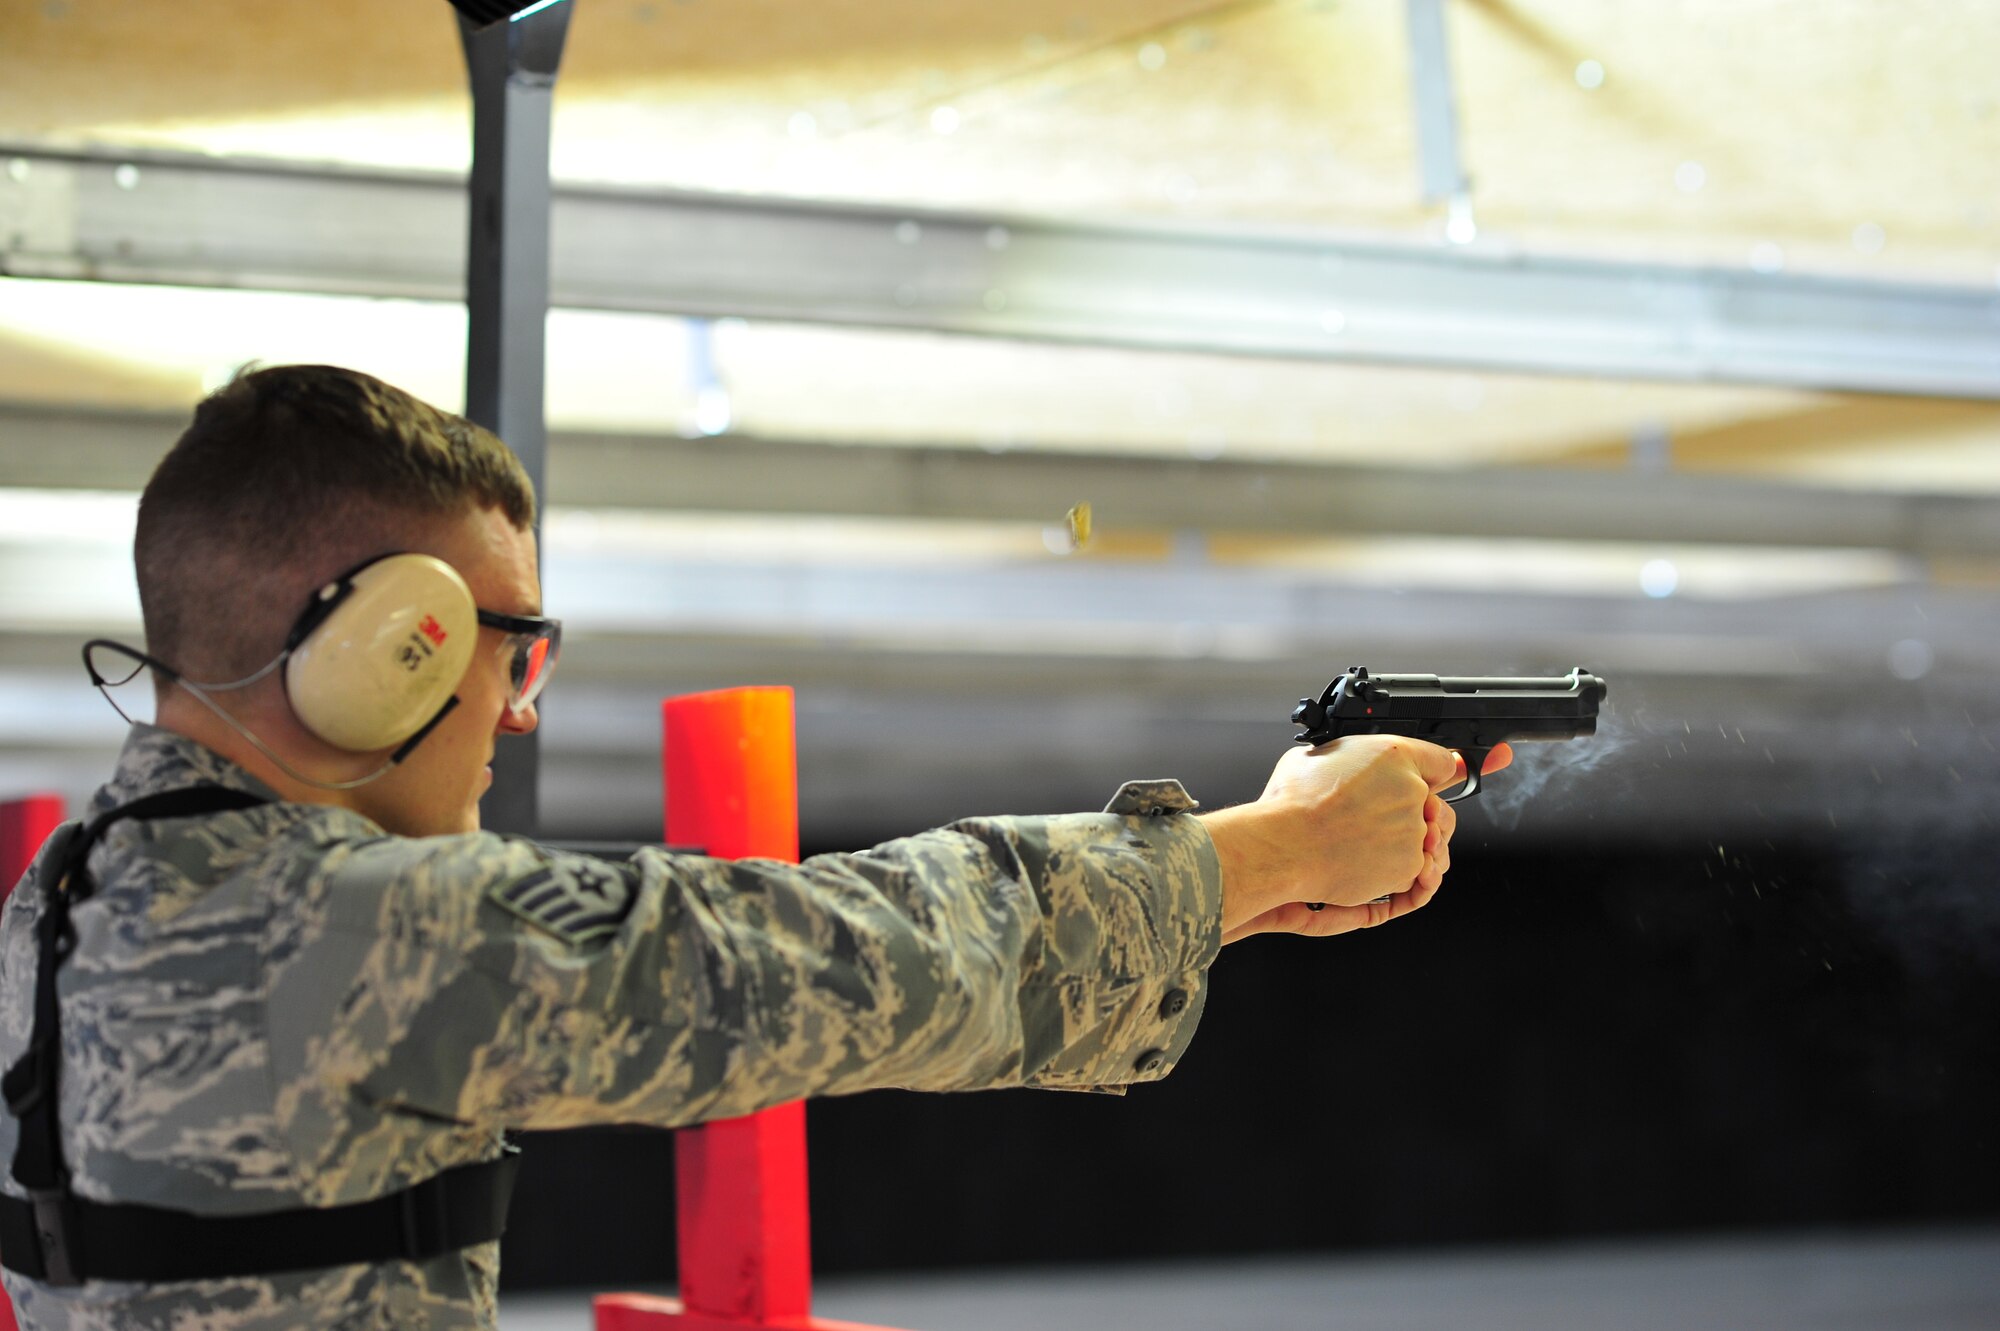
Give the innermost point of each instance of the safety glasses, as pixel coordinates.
(532, 643)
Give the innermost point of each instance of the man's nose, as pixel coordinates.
(521, 722)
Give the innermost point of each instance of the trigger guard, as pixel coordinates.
(1474, 760)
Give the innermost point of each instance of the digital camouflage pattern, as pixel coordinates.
(286, 1007)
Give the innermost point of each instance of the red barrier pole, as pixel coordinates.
(732, 781)
(24, 825)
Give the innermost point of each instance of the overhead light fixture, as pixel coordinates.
(485, 13)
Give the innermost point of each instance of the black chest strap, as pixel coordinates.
(104, 1241)
(62, 1239)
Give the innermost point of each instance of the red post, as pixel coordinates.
(732, 782)
(24, 825)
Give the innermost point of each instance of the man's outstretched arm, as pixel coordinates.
(481, 979)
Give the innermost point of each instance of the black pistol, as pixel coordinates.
(1469, 714)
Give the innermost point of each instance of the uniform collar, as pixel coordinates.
(154, 760)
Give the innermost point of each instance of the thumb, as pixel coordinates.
(1441, 768)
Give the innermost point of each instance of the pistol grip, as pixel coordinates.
(1474, 760)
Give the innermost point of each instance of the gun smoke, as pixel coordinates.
(1893, 792)
(1560, 779)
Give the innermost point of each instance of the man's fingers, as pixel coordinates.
(1440, 819)
(1499, 757)
(1297, 918)
(1346, 919)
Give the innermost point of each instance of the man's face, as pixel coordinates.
(436, 790)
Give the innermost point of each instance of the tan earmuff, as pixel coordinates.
(376, 657)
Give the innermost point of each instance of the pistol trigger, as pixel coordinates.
(1474, 760)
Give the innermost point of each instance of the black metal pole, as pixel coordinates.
(512, 66)
(1435, 101)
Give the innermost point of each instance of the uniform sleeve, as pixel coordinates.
(491, 981)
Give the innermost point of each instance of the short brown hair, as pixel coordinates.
(288, 476)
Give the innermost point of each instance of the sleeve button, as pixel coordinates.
(1173, 1004)
(1150, 1061)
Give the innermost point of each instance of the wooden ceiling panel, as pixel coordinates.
(1853, 135)
(71, 67)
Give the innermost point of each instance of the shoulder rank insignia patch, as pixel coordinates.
(578, 900)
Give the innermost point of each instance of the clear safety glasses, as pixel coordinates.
(531, 647)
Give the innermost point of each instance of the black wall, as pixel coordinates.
(1615, 1040)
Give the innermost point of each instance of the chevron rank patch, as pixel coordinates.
(578, 900)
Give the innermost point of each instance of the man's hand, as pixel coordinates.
(1355, 826)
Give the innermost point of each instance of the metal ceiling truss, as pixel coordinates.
(176, 218)
(65, 449)
(1434, 102)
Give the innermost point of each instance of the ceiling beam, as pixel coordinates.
(182, 218)
(64, 449)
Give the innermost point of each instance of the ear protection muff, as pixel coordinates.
(375, 658)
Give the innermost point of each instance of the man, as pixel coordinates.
(292, 995)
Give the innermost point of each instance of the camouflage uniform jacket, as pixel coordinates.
(285, 1006)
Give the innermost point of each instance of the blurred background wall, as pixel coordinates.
(1677, 357)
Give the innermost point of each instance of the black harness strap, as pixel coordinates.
(444, 1213)
(58, 1237)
